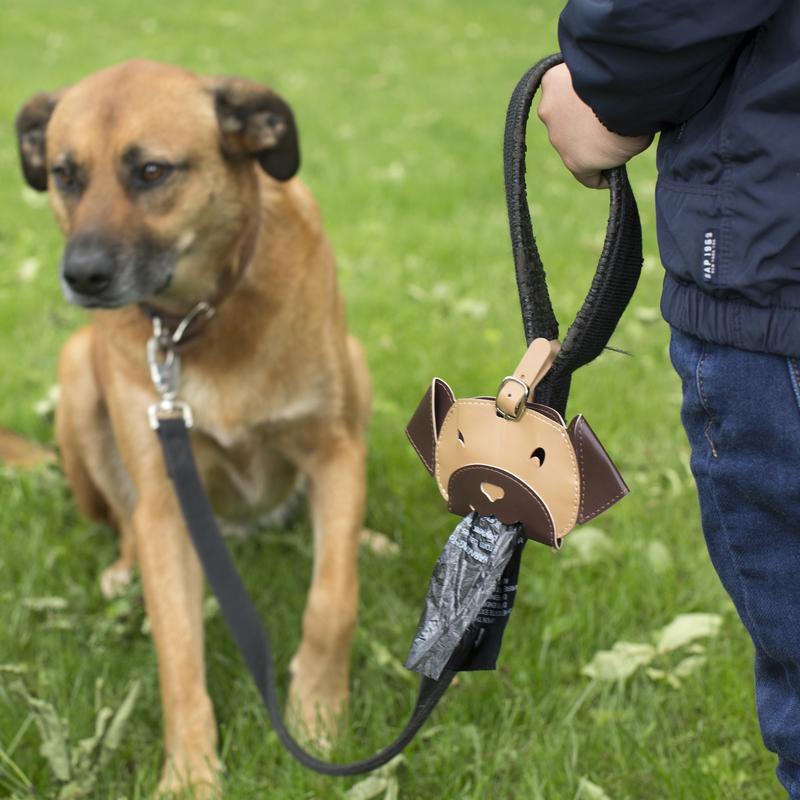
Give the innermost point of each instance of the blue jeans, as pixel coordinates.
(741, 412)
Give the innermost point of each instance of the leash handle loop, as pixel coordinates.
(617, 271)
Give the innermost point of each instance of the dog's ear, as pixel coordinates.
(254, 121)
(423, 429)
(601, 483)
(32, 137)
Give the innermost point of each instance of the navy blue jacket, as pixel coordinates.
(721, 80)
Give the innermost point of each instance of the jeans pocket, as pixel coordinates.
(689, 358)
(710, 421)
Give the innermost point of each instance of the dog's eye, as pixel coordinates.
(66, 177)
(538, 454)
(152, 173)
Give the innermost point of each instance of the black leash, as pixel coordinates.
(612, 286)
(242, 619)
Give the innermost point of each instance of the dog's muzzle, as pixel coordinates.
(99, 272)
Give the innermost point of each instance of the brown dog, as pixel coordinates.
(173, 189)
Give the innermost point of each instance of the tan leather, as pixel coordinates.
(525, 467)
(473, 434)
(536, 362)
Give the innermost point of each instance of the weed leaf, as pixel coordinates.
(77, 769)
(688, 666)
(373, 786)
(588, 546)
(590, 791)
(383, 782)
(685, 628)
(53, 731)
(45, 603)
(117, 726)
(620, 662)
(658, 557)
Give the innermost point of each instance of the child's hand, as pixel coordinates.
(585, 145)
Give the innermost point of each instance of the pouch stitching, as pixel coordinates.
(594, 512)
(419, 452)
(526, 487)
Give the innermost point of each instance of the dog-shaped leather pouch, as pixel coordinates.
(514, 459)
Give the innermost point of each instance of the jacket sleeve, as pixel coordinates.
(644, 65)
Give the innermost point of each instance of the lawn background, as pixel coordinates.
(401, 109)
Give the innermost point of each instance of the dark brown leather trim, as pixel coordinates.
(518, 504)
(442, 402)
(420, 431)
(601, 483)
(424, 426)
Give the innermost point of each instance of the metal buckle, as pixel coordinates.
(520, 410)
(169, 409)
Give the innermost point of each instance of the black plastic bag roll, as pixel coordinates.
(474, 583)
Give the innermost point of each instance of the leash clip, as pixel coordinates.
(165, 373)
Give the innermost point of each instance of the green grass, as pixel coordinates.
(401, 109)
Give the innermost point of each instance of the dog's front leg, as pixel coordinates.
(320, 670)
(173, 590)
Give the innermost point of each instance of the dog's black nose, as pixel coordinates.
(88, 265)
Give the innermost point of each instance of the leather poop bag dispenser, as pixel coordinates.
(513, 459)
(507, 462)
(515, 471)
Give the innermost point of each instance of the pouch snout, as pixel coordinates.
(494, 492)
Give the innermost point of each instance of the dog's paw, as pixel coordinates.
(317, 709)
(198, 782)
(115, 579)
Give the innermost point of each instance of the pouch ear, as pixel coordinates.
(256, 122)
(423, 429)
(601, 483)
(32, 137)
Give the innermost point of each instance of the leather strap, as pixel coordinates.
(245, 625)
(516, 389)
(227, 284)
